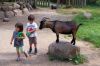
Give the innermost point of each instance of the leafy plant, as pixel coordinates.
(78, 59)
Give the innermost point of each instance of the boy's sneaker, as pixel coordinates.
(30, 51)
(18, 59)
(35, 51)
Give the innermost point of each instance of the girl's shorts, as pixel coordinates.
(19, 49)
(32, 40)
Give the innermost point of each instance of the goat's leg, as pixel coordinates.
(57, 35)
(74, 39)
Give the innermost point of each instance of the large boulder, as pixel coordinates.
(63, 49)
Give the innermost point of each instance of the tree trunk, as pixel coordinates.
(58, 1)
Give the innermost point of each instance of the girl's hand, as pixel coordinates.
(11, 43)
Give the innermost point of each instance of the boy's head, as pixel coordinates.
(31, 18)
(19, 27)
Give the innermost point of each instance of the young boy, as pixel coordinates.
(31, 29)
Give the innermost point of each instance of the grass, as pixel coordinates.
(90, 31)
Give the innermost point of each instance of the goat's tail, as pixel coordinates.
(79, 26)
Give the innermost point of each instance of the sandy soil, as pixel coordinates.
(45, 37)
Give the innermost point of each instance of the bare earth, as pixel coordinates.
(45, 37)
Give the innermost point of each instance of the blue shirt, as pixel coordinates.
(17, 42)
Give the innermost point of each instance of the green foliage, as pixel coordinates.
(78, 59)
(90, 31)
(91, 1)
(98, 2)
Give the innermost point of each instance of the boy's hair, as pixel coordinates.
(20, 26)
(31, 17)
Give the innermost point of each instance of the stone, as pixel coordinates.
(18, 12)
(16, 6)
(6, 19)
(25, 11)
(63, 49)
(1, 15)
(10, 14)
(87, 15)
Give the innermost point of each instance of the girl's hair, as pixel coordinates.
(20, 26)
(31, 17)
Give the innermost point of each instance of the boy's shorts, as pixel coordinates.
(32, 40)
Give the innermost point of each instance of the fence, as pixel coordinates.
(46, 3)
(78, 3)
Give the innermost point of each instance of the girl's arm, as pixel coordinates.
(23, 36)
(11, 40)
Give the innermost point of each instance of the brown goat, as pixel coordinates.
(62, 27)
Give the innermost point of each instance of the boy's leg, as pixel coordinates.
(35, 51)
(30, 44)
(35, 45)
(30, 49)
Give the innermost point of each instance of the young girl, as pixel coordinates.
(31, 29)
(18, 37)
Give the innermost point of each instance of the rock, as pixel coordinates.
(16, 6)
(25, 11)
(1, 14)
(10, 14)
(53, 6)
(29, 7)
(63, 49)
(6, 19)
(87, 15)
(18, 12)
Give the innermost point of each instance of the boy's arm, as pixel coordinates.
(35, 29)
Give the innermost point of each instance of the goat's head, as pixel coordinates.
(43, 23)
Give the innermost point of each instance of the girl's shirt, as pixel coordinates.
(30, 27)
(17, 42)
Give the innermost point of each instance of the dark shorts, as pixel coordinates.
(32, 40)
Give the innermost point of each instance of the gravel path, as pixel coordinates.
(45, 37)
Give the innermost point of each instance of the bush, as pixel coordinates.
(91, 1)
(98, 2)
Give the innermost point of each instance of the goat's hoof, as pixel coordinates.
(57, 41)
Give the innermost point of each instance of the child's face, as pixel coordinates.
(30, 21)
(17, 29)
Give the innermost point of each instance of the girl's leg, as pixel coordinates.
(21, 50)
(18, 53)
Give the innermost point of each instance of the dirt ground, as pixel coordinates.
(45, 37)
